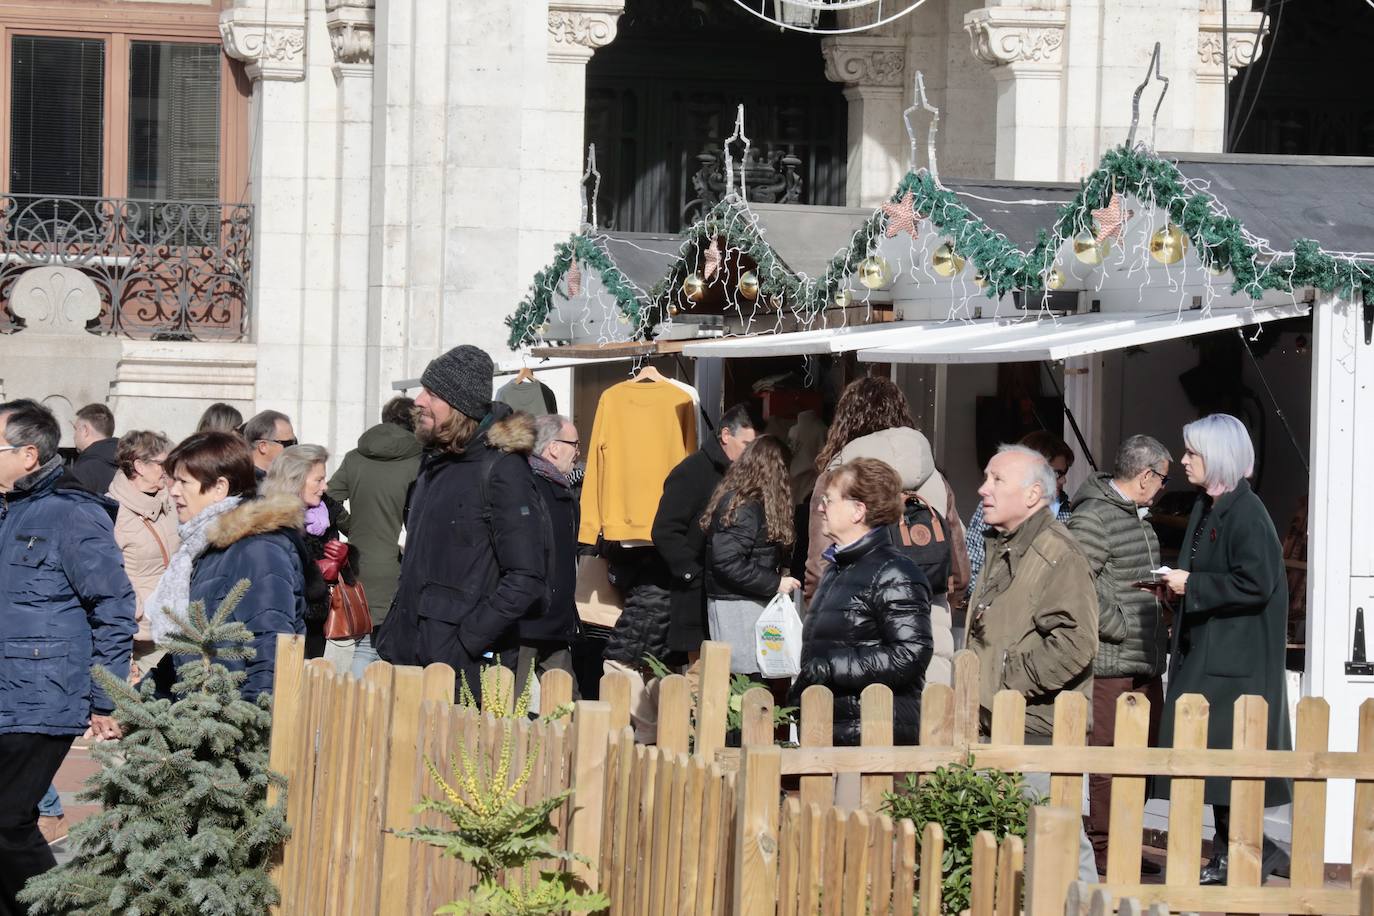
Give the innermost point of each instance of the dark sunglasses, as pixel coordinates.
(1163, 478)
(284, 443)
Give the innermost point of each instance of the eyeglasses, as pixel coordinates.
(284, 443)
(575, 443)
(826, 500)
(11, 448)
(1163, 478)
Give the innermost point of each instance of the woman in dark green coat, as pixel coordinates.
(1230, 630)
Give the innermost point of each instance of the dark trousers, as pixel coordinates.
(1106, 691)
(541, 655)
(28, 764)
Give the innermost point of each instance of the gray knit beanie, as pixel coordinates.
(463, 378)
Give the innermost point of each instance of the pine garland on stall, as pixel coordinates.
(537, 305)
(184, 826)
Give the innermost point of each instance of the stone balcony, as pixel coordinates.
(160, 269)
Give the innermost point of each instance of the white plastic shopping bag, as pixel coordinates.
(777, 639)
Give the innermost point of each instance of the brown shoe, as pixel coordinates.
(54, 829)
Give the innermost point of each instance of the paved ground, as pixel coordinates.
(70, 779)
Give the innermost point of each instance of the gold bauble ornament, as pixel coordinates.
(875, 272)
(1089, 250)
(945, 261)
(1167, 245)
(694, 287)
(672, 310)
(844, 299)
(1055, 279)
(749, 285)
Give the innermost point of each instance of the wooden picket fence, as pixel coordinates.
(692, 827)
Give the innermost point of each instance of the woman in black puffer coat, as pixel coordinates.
(869, 620)
(748, 526)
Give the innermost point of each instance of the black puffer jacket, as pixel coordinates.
(642, 579)
(869, 623)
(741, 562)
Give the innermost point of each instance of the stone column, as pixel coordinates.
(1025, 45)
(270, 37)
(873, 70)
(1219, 59)
(351, 24)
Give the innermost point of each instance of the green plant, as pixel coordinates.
(184, 826)
(964, 801)
(492, 831)
(740, 684)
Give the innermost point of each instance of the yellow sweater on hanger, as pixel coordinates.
(641, 431)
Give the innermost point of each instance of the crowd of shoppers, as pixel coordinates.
(459, 517)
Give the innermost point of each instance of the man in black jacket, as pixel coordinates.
(677, 530)
(474, 559)
(547, 631)
(93, 435)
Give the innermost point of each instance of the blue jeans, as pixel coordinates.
(51, 803)
(363, 655)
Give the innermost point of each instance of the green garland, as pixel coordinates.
(535, 308)
(1219, 241)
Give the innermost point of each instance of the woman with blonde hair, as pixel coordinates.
(300, 472)
(145, 529)
(748, 525)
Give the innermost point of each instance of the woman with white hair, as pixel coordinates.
(300, 471)
(1230, 623)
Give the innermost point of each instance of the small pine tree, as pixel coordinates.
(493, 832)
(184, 826)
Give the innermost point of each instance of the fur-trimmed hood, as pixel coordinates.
(257, 516)
(513, 433)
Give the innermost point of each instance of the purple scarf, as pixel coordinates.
(317, 519)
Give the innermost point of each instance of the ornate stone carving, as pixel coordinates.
(578, 27)
(273, 45)
(55, 300)
(1024, 39)
(351, 25)
(865, 62)
(1244, 43)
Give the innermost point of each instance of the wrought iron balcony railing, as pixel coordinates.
(165, 269)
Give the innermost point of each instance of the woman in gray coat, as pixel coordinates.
(1230, 632)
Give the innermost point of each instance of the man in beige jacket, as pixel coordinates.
(1033, 616)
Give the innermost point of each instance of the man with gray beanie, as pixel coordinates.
(474, 559)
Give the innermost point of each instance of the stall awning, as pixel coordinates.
(1033, 340)
(799, 343)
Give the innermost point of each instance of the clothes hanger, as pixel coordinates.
(524, 375)
(647, 373)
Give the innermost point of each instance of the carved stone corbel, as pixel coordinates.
(1243, 44)
(865, 63)
(1024, 40)
(577, 28)
(271, 43)
(351, 25)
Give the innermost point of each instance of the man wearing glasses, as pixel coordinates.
(549, 628)
(268, 434)
(65, 604)
(1109, 523)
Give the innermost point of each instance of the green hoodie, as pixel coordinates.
(374, 479)
(1121, 548)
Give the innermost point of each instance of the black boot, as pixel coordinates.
(1273, 861)
(1214, 872)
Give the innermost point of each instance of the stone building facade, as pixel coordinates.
(410, 165)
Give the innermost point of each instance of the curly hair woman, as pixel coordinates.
(748, 525)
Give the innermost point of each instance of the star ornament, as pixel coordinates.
(1111, 219)
(901, 216)
(574, 277)
(713, 259)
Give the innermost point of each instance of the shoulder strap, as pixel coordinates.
(152, 529)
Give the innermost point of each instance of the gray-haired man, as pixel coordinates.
(1033, 616)
(549, 628)
(1109, 523)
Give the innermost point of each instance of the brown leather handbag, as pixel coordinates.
(349, 617)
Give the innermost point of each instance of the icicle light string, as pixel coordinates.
(1218, 239)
